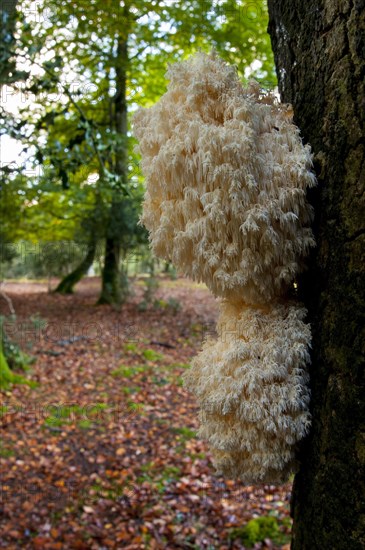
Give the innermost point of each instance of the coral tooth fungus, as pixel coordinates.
(226, 177)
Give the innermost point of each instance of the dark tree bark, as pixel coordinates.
(319, 48)
(67, 284)
(111, 292)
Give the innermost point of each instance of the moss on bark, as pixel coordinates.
(6, 375)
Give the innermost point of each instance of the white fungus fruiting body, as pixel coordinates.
(226, 177)
(252, 387)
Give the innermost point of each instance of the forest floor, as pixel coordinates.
(102, 453)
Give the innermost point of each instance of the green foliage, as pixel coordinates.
(12, 357)
(3, 410)
(159, 381)
(8, 70)
(135, 407)
(8, 377)
(125, 371)
(42, 259)
(184, 433)
(180, 366)
(259, 529)
(128, 390)
(170, 473)
(79, 172)
(152, 355)
(6, 452)
(133, 348)
(15, 357)
(157, 477)
(85, 424)
(61, 415)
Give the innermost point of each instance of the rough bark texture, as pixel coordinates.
(319, 48)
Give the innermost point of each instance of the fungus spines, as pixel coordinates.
(226, 178)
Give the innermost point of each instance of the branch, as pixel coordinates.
(81, 113)
(139, 52)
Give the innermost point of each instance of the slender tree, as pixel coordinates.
(67, 284)
(319, 49)
(111, 280)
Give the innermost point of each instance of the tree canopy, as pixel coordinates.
(81, 69)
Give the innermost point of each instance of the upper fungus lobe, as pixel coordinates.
(226, 176)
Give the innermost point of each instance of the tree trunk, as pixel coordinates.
(319, 48)
(6, 375)
(112, 282)
(111, 292)
(67, 284)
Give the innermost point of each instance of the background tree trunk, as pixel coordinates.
(111, 292)
(67, 284)
(319, 48)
